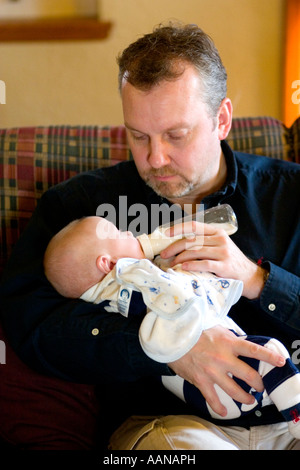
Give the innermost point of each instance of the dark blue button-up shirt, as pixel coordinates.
(57, 335)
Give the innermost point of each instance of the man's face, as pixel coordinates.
(174, 141)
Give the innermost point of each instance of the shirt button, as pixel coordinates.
(95, 331)
(272, 307)
(258, 413)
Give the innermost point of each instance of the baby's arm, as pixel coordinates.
(179, 309)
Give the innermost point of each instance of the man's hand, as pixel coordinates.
(214, 357)
(212, 250)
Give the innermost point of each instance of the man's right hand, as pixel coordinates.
(214, 359)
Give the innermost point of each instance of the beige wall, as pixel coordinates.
(76, 82)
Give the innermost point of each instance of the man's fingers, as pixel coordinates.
(211, 396)
(184, 229)
(253, 350)
(233, 390)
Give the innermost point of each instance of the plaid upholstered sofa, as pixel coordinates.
(34, 158)
(31, 160)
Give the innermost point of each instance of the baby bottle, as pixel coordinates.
(221, 216)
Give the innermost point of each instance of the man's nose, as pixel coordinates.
(158, 154)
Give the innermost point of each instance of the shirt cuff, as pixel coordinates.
(280, 296)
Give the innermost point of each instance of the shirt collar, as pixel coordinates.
(215, 198)
(229, 187)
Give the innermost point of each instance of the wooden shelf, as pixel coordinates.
(56, 29)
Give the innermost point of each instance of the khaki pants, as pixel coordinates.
(193, 433)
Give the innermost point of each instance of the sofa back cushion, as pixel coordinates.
(34, 158)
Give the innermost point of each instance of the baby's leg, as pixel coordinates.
(281, 383)
(193, 397)
(283, 386)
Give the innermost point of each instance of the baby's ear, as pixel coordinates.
(104, 263)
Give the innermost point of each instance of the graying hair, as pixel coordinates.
(162, 54)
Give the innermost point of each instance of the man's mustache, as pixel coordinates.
(162, 172)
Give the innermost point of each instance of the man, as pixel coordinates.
(177, 115)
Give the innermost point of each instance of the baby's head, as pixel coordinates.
(84, 252)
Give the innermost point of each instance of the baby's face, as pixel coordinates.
(118, 244)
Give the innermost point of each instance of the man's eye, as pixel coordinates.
(176, 137)
(139, 136)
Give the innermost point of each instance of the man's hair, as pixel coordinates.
(162, 54)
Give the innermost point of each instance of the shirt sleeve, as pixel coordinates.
(280, 297)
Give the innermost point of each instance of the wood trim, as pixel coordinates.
(53, 29)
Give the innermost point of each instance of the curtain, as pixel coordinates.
(291, 105)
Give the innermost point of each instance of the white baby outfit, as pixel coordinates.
(180, 305)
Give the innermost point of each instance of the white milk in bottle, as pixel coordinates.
(221, 216)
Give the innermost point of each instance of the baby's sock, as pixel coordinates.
(292, 416)
(283, 387)
(287, 399)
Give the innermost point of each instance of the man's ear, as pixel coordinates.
(104, 263)
(224, 118)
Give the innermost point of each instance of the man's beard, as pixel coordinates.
(166, 189)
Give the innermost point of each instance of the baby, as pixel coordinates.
(92, 260)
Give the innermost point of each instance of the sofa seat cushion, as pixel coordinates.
(44, 413)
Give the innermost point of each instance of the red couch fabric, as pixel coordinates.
(44, 413)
